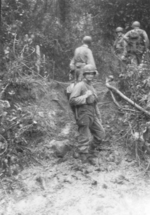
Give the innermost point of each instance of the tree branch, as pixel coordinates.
(112, 88)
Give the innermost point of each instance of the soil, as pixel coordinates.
(54, 185)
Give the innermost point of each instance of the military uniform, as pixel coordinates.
(120, 46)
(120, 50)
(137, 43)
(87, 116)
(82, 56)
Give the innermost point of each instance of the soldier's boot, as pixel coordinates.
(88, 158)
(95, 146)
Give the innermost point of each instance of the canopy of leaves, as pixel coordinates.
(59, 25)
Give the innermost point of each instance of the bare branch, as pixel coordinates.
(112, 88)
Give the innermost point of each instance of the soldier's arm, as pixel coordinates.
(76, 97)
(126, 37)
(124, 48)
(90, 58)
(146, 39)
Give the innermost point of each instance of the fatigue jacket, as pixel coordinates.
(120, 45)
(84, 105)
(82, 56)
(137, 45)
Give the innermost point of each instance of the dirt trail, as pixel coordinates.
(71, 188)
(65, 186)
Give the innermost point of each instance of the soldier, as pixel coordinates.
(84, 99)
(119, 44)
(82, 56)
(137, 42)
(120, 48)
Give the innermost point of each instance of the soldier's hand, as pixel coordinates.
(88, 93)
(70, 76)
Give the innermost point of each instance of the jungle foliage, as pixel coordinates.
(37, 40)
(59, 25)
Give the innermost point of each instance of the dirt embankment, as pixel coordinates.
(57, 186)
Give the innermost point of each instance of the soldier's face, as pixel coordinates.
(89, 76)
(119, 33)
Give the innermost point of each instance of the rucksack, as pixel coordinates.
(136, 41)
(136, 36)
(68, 92)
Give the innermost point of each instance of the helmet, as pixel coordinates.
(87, 39)
(119, 29)
(88, 69)
(135, 24)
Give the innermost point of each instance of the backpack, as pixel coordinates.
(134, 34)
(68, 92)
(136, 40)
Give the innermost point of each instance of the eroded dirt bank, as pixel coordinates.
(56, 186)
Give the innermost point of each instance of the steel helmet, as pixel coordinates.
(87, 39)
(119, 29)
(135, 24)
(88, 69)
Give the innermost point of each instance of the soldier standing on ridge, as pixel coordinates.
(82, 56)
(119, 44)
(84, 99)
(120, 48)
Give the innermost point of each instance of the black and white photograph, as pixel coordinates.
(74, 107)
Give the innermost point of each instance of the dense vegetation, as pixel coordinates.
(58, 26)
(37, 40)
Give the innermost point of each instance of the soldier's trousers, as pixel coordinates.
(121, 65)
(91, 132)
